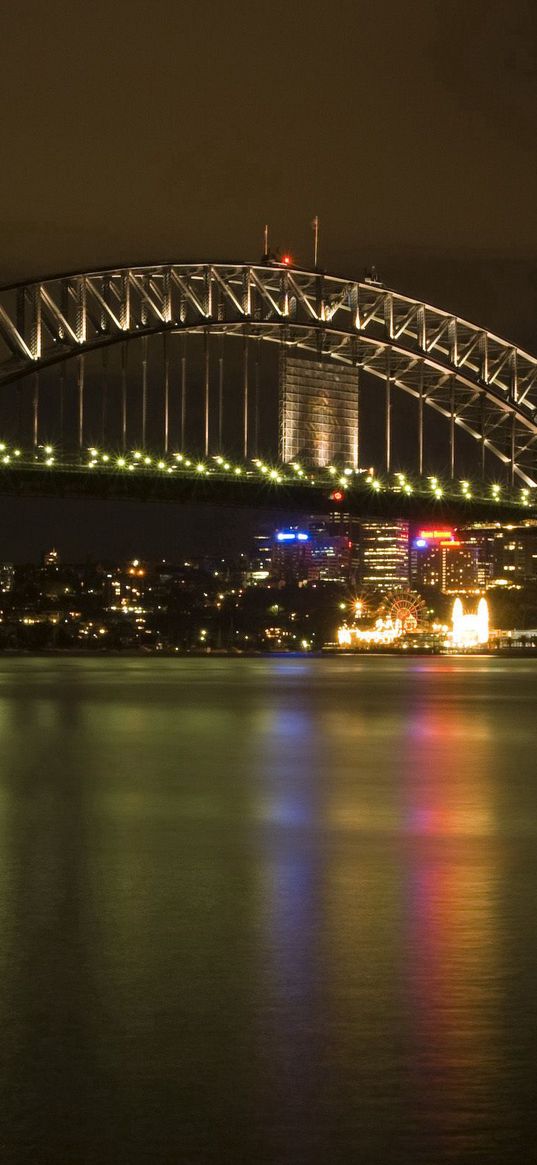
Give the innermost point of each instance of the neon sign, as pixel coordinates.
(292, 536)
(436, 535)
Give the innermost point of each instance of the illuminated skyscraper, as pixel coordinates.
(440, 560)
(7, 577)
(318, 412)
(319, 552)
(383, 554)
(291, 556)
(506, 552)
(51, 558)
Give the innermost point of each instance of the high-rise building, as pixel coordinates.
(384, 554)
(323, 549)
(330, 557)
(318, 412)
(336, 545)
(450, 567)
(262, 549)
(441, 561)
(507, 553)
(7, 577)
(291, 555)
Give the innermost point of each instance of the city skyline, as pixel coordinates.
(330, 579)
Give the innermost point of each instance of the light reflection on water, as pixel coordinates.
(267, 910)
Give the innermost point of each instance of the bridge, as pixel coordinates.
(172, 381)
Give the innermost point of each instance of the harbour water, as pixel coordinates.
(269, 910)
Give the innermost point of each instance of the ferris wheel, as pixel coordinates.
(405, 606)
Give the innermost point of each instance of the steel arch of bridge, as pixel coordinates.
(479, 382)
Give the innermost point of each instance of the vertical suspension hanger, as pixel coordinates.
(206, 383)
(166, 392)
(124, 365)
(144, 391)
(245, 393)
(81, 374)
(184, 339)
(221, 394)
(104, 395)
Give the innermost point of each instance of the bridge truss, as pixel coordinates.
(480, 384)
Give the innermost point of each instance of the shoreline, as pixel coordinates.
(176, 653)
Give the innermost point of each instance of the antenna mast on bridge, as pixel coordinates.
(315, 225)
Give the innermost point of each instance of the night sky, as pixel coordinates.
(146, 132)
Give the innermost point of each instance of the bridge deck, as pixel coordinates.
(189, 481)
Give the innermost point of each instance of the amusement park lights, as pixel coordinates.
(470, 630)
(403, 616)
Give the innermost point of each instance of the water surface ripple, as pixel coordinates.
(269, 911)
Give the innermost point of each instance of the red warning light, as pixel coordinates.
(287, 260)
(337, 495)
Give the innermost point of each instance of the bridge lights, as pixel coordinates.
(121, 463)
(438, 493)
(407, 488)
(376, 485)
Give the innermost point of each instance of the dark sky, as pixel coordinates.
(148, 131)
